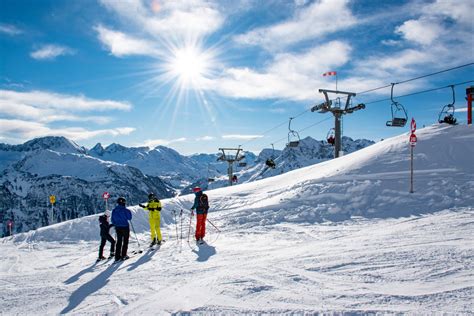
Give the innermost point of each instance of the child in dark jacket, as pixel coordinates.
(105, 236)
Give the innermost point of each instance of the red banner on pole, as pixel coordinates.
(413, 126)
(106, 195)
(329, 73)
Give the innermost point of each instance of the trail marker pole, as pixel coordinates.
(10, 224)
(52, 200)
(106, 197)
(413, 140)
(469, 94)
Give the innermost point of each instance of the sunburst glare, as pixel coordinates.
(190, 66)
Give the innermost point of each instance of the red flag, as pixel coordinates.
(330, 73)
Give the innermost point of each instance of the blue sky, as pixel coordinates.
(196, 75)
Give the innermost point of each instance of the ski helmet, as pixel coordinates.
(151, 195)
(121, 201)
(196, 189)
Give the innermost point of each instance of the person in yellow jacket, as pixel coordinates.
(154, 208)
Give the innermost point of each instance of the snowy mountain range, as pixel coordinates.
(57, 166)
(342, 236)
(46, 166)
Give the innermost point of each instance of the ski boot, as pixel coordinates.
(101, 258)
(112, 255)
(153, 242)
(125, 258)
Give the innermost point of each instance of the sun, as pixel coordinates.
(190, 66)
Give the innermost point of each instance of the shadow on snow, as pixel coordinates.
(204, 252)
(88, 288)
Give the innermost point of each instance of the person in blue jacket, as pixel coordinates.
(120, 217)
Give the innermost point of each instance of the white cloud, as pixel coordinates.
(422, 31)
(49, 52)
(205, 138)
(121, 44)
(21, 130)
(10, 29)
(289, 76)
(309, 22)
(152, 143)
(26, 115)
(241, 137)
(459, 10)
(46, 100)
(183, 19)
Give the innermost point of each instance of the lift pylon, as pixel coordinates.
(337, 111)
(232, 155)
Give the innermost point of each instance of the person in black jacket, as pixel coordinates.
(105, 236)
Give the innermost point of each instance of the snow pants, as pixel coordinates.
(123, 234)
(200, 226)
(155, 218)
(103, 240)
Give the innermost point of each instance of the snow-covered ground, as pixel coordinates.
(342, 235)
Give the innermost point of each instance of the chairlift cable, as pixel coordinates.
(379, 88)
(416, 78)
(421, 92)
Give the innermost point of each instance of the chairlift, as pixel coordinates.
(399, 114)
(242, 163)
(270, 162)
(293, 136)
(209, 179)
(331, 137)
(447, 112)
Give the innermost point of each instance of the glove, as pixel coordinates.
(159, 209)
(141, 205)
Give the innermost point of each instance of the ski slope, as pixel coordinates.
(342, 236)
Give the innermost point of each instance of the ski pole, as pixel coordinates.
(190, 223)
(181, 220)
(176, 225)
(213, 225)
(133, 229)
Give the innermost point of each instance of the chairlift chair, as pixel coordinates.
(399, 114)
(293, 136)
(447, 112)
(330, 137)
(270, 162)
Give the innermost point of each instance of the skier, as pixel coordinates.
(105, 236)
(154, 216)
(201, 205)
(120, 217)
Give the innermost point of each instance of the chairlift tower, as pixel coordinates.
(338, 112)
(231, 158)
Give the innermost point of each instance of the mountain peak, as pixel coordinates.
(56, 143)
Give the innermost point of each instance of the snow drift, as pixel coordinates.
(372, 182)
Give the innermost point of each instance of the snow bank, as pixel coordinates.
(372, 182)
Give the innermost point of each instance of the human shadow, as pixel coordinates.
(89, 288)
(76, 276)
(146, 257)
(204, 252)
